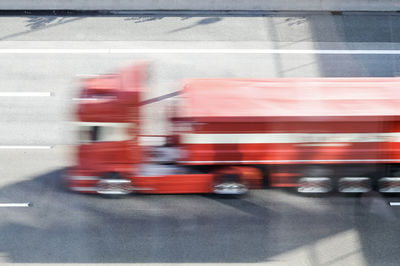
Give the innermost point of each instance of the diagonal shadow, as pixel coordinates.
(201, 22)
(40, 23)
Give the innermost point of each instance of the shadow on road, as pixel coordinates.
(37, 23)
(68, 227)
(357, 32)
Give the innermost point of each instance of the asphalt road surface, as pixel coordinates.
(274, 227)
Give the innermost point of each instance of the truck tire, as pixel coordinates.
(113, 185)
(229, 184)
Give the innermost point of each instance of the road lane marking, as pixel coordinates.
(86, 75)
(192, 51)
(36, 147)
(6, 205)
(394, 203)
(24, 94)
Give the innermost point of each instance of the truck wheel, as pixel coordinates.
(229, 184)
(113, 185)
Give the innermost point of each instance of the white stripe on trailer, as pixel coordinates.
(249, 138)
(323, 144)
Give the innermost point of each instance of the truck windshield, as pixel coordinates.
(104, 132)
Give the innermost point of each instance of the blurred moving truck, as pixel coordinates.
(230, 135)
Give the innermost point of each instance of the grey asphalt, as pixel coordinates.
(268, 226)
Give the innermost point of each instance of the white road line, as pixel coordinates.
(36, 147)
(5, 205)
(24, 94)
(191, 51)
(86, 75)
(394, 203)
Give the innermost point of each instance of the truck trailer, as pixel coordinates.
(227, 136)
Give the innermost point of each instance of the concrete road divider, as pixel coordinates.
(202, 5)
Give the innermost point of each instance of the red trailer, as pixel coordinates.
(231, 135)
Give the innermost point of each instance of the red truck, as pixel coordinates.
(231, 135)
